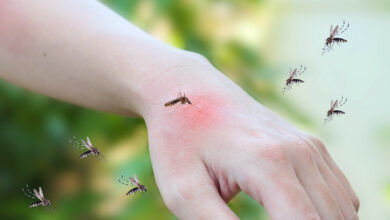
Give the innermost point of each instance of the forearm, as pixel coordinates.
(82, 52)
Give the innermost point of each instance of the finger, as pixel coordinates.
(196, 197)
(276, 187)
(340, 193)
(337, 172)
(315, 185)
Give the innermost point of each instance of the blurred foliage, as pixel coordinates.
(35, 130)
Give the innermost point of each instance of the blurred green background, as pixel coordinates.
(255, 43)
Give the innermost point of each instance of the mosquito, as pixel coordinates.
(292, 80)
(87, 144)
(332, 38)
(36, 195)
(133, 181)
(182, 99)
(333, 111)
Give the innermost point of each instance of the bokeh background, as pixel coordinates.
(255, 43)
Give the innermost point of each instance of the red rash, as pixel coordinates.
(206, 110)
(183, 126)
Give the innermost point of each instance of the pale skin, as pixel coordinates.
(202, 154)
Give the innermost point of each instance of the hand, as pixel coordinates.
(205, 153)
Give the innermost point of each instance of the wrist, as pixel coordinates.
(190, 73)
(210, 94)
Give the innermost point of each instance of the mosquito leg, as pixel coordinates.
(28, 193)
(343, 28)
(323, 51)
(301, 70)
(75, 143)
(103, 158)
(325, 120)
(123, 181)
(342, 102)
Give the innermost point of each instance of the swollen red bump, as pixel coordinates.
(206, 111)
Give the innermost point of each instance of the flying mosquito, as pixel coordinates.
(182, 99)
(133, 181)
(332, 38)
(292, 80)
(36, 195)
(87, 144)
(333, 111)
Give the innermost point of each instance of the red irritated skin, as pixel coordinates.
(206, 110)
(204, 153)
(184, 124)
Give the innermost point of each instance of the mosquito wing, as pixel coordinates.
(38, 195)
(335, 104)
(331, 29)
(136, 178)
(294, 73)
(334, 32)
(86, 145)
(89, 141)
(134, 181)
(41, 192)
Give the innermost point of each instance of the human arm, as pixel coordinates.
(202, 154)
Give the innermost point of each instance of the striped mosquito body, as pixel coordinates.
(38, 194)
(133, 190)
(137, 186)
(35, 204)
(333, 111)
(182, 99)
(92, 151)
(339, 40)
(292, 80)
(332, 36)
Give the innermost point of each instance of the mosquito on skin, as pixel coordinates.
(138, 187)
(92, 151)
(333, 111)
(182, 99)
(42, 201)
(292, 80)
(332, 38)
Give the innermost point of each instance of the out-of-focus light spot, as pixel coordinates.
(387, 194)
(127, 148)
(67, 182)
(145, 12)
(247, 32)
(163, 30)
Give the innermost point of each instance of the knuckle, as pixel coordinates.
(353, 215)
(178, 193)
(273, 154)
(356, 203)
(183, 189)
(312, 216)
(309, 213)
(319, 144)
(304, 151)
